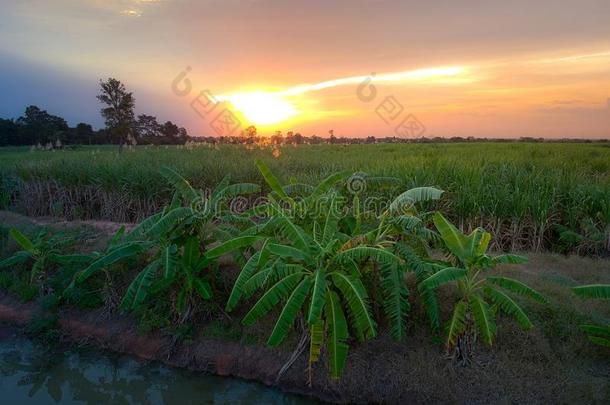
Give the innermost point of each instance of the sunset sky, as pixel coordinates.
(461, 67)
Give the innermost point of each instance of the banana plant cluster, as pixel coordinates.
(319, 254)
(313, 271)
(322, 266)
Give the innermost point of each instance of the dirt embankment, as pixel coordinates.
(521, 368)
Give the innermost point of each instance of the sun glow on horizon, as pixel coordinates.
(271, 107)
(482, 90)
(262, 108)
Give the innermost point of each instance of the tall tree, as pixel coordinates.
(147, 127)
(119, 110)
(169, 130)
(38, 126)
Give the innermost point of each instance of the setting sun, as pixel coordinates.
(262, 108)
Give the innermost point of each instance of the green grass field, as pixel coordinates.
(531, 196)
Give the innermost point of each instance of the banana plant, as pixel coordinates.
(181, 270)
(598, 334)
(42, 252)
(480, 295)
(312, 271)
(181, 233)
(400, 229)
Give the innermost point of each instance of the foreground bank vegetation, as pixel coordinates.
(315, 259)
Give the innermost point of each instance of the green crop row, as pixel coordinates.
(533, 196)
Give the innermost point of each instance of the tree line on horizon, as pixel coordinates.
(37, 127)
(295, 138)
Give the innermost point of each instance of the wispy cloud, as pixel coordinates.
(429, 75)
(574, 58)
(131, 13)
(136, 8)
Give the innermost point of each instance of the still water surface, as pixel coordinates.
(31, 373)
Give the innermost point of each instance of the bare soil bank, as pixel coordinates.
(521, 368)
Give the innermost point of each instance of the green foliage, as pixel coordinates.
(525, 188)
(178, 235)
(138, 289)
(405, 202)
(597, 334)
(50, 302)
(311, 264)
(590, 236)
(457, 324)
(23, 241)
(395, 300)
(599, 291)
(42, 255)
(480, 295)
(337, 335)
(272, 181)
(113, 255)
(25, 290)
